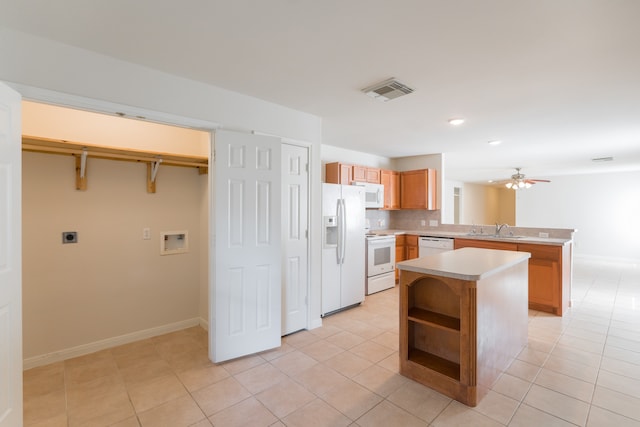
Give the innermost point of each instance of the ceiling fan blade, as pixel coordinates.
(533, 181)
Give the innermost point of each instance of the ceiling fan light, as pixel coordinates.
(508, 185)
(456, 121)
(521, 184)
(527, 185)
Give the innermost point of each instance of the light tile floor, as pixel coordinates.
(581, 369)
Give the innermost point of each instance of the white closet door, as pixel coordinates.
(10, 259)
(246, 306)
(295, 224)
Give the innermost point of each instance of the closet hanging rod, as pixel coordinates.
(58, 147)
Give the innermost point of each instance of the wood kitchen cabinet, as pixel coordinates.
(412, 246)
(401, 251)
(391, 181)
(484, 244)
(418, 189)
(406, 248)
(338, 173)
(366, 174)
(549, 277)
(549, 271)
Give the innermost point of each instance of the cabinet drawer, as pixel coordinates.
(484, 244)
(547, 252)
(401, 240)
(412, 240)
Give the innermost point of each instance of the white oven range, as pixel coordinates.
(380, 263)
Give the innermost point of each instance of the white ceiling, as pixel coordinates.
(557, 81)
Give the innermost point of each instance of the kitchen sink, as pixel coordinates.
(493, 236)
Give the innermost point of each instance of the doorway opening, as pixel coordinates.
(457, 200)
(113, 285)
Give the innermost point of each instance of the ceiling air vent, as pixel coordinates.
(387, 90)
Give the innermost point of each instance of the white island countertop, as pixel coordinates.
(465, 264)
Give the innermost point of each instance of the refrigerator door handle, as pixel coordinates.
(339, 223)
(342, 225)
(344, 230)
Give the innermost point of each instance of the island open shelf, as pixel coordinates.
(463, 318)
(434, 319)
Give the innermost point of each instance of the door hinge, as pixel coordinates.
(306, 234)
(306, 167)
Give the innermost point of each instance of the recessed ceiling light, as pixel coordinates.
(494, 142)
(456, 121)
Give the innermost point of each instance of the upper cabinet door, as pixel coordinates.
(391, 181)
(245, 313)
(359, 173)
(373, 175)
(418, 189)
(338, 173)
(10, 259)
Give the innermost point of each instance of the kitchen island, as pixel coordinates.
(463, 319)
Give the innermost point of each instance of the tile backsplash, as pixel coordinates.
(400, 219)
(378, 219)
(412, 219)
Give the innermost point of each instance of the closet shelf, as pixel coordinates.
(59, 146)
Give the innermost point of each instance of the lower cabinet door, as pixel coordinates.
(543, 282)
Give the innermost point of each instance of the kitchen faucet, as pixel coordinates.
(499, 228)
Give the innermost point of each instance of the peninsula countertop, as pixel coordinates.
(465, 264)
(478, 236)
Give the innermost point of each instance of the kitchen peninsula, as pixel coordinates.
(550, 265)
(463, 318)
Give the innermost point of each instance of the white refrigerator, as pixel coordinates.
(343, 246)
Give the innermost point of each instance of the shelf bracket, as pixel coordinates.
(152, 172)
(81, 171)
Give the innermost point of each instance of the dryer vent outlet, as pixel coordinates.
(69, 237)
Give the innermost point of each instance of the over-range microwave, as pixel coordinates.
(373, 194)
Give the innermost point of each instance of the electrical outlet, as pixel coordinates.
(543, 235)
(423, 223)
(433, 223)
(146, 233)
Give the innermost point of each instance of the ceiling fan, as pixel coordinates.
(519, 181)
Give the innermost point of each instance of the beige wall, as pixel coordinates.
(485, 204)
(112, 282)
(506, 206)
(72, 125)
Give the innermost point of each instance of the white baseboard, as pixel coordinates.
(204, 324)
(83, 349)
(315, 323)
(606, 259)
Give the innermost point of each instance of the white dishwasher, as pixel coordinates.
(428, 245)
